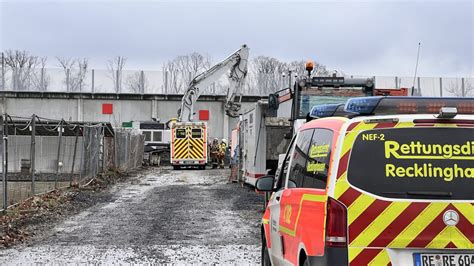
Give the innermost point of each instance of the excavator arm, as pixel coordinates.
(236, 66)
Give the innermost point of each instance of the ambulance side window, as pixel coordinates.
(300, 156)
(281, 178)
(319, 154)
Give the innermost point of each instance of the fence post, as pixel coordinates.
(142, 82)
(74, 155)
(117, 86)
(3, 72)
(67, 79)
(93, 73)
(42, 86)
(84, 133)
(5, 161)
(463, 88)
(166, 82)
(419, 86)
(33, 154)
(58, 167)
(440, 87)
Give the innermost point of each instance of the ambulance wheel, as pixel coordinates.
(265, 255)
(176, 167)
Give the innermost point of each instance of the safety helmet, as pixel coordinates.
(224, 141)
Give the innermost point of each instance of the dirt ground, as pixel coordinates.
(161, 216)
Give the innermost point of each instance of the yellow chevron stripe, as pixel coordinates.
(460, 240)
(417, 225)
(467, 210)
(194, 155)
(381, 259)
(196, 143)
(359, 206)
(341, 186)
(183, 152)
(379, 224)
(181, 147)
(450, 233)
(354, 252)
(442, 239)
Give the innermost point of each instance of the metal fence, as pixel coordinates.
(40, 155)
(128, 149)
(160, 82)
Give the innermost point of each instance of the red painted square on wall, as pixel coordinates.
(204, 115)
(107, 108)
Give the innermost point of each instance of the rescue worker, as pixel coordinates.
(222, 151)
(214, 152)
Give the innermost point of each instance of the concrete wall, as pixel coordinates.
(125, 108)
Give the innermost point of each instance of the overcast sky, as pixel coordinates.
(357, 37)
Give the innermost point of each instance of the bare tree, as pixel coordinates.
(136, 82)
(41, 80)
(115, 68)
(23, 66)
(75, 71)
(456, 88)
(171, 77)
(181, 70)
(267, 74)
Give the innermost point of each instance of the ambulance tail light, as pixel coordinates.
(336, 224)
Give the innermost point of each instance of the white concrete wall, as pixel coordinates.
(123, 110)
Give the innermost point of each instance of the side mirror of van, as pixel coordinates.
(265, 183)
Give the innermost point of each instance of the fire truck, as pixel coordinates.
(188, 137)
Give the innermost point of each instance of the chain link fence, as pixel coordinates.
(40, 155)
(128, 149)
(165, 82)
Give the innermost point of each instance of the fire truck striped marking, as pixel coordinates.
(341, 188)
(377, 226)
(359, 206)
(467, 210)
(417, 225)
(397, 225)
(188, 147)
(349, 196)
(365, 256)
(381, 259)
(370, 213)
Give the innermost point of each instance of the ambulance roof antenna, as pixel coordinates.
(416, 69)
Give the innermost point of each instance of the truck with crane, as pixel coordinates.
(266, 129)
(188, 137)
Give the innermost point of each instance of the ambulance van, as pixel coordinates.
(390, 183)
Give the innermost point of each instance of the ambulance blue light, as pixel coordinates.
(324, 110)
(363, 105)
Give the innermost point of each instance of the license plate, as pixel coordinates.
(427, 259)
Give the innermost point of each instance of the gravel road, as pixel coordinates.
(165, 216)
